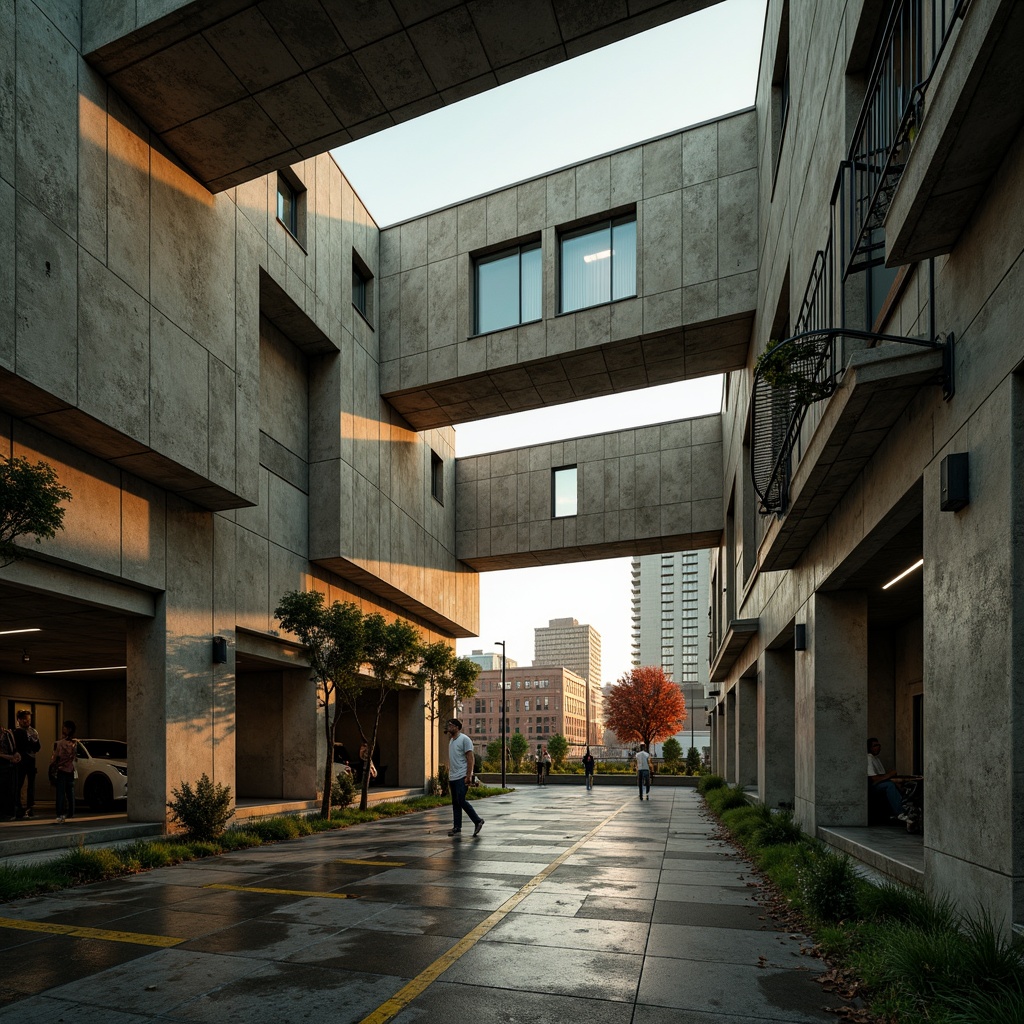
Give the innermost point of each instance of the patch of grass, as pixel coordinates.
(917, 958)
(83, 864)
(710, 782)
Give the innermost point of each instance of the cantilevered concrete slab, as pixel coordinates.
(640, 491)
(236, 88)
(694, 194)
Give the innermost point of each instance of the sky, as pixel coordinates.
(691, 70)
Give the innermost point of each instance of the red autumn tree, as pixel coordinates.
(645, 706)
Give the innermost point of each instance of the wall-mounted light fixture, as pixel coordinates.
(906, 572)
(220, 650)
(954, 483)
(800, 636)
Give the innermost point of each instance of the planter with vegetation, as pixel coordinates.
(783, 367)
(203, 808)
(911, 957)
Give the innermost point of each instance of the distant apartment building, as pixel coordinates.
(542, 702)
(566, 642)
(491, 660)
(671, 597)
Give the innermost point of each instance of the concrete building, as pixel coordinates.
(490, 660)
(543, 700)
(249, 387)
(577, 647)
(670, 602)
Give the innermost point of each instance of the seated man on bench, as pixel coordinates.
(884, 792)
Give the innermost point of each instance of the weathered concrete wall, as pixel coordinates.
(654, 488)
(966, 624)
(694, 193)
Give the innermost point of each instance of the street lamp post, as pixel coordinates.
(501, 643)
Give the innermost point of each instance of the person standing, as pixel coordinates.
(64, 753)
(545, 767)
(460, 775)
(588, 768)
(27, 741)
(9, 758)
(643, 771)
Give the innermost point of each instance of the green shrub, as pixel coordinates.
(890, 901)
(343, 792)
(710, 782)
(828, 886)
(777, 828)
(272, 830)
(85, 865)
(434, 787)
(142, 855)
(203, 812)
(997, 1005)
(239, 839)
(725, 798)
(442, 779)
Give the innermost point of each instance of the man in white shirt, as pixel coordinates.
(882, 782)
(460, 775)
(643, 771)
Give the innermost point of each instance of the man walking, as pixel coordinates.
(460, 775)
(643, 771)
(588, 768)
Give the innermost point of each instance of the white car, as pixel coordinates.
(102, 768)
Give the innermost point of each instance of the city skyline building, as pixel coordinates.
(671, 594)
(488, 660)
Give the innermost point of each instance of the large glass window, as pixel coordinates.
(508, 288)
(599, 263)
(563, 492)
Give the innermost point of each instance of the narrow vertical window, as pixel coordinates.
(362, 288)
(598, 263)
(508, 288)
(437, 477)
(289, 200)
(563, 492)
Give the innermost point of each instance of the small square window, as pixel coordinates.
(563, 492)
(437, 477)
(508, 288)
(598, 263)
(362, 288)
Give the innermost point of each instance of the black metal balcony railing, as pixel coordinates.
(814, 355)
(915, 35)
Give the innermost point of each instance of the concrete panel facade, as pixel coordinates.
(912, 664)
(238, 87)
(654, 488)
(693, 194)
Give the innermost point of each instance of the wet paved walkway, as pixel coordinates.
(570, 906)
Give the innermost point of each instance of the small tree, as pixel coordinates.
(30, 503)
(392, 650)
(672, 752)
(517, 747)
(447, 681)
(558, 747)
(333, 641)
(494, 754)
(693, 761)
(645, 706)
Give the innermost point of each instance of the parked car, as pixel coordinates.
(102, 773)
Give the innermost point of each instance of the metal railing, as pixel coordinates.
(915, 35)
(914, 38)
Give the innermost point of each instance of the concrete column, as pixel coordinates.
(974, 667)
(729, 735)
(746, 732)
(414, 739)
(831, 712)
(302, 761)
(775, 697)
(180, 706)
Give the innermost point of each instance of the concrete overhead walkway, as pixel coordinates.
(570, 906)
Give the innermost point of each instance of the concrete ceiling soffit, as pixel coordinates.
(236, 89)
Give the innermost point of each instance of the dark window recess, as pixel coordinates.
(362, 287)
(437, 477)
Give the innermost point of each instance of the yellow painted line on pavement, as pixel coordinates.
(285, 892)
(104, 934)
(405, 995)
(375, 863)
